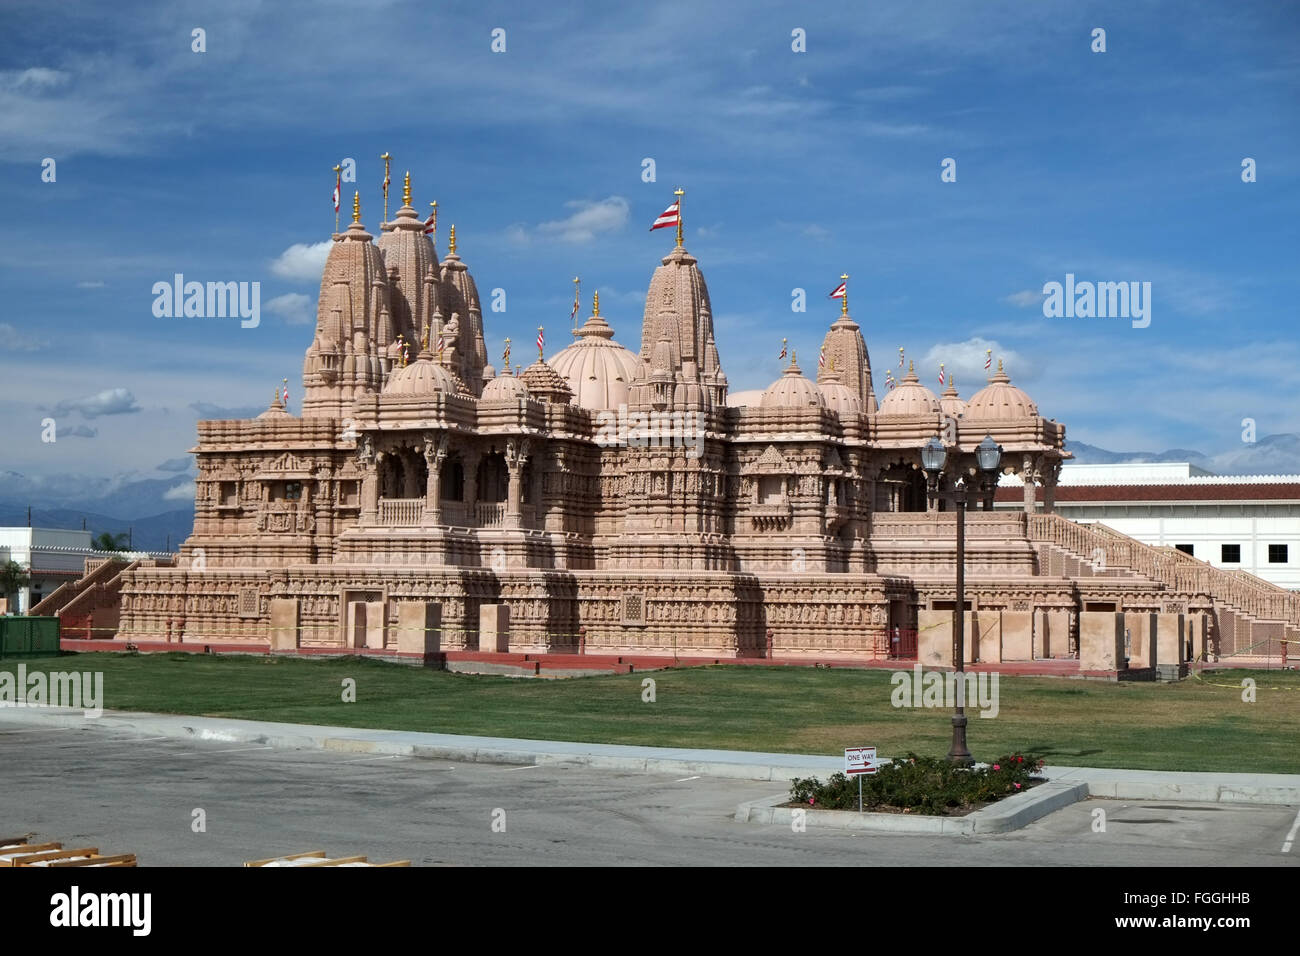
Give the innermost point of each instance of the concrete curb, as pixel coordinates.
(1211, 787)
(1010, 814)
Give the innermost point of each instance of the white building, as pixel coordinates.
(51, 556)
(1236, 522)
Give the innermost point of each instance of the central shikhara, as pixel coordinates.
(418, 475)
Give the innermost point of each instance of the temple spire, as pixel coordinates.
(844, 299)
(356, 207)
(451, 240)
(406, 189)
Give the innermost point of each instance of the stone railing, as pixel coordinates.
(942, 525)
(490, 514)
(1169, 566)
(400, 512)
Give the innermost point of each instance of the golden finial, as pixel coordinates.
(999, 366)
(794, 357)
(275, 395)
(425, 341)
(451, 239)
(911, 367)
(406, 189)
(595, 303)
(356, 207)
(844, 302)
(679, 192)
(506, 357)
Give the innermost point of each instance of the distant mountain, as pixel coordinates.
(153, 533)
(1270, 455)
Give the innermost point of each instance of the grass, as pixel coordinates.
(1191, 725)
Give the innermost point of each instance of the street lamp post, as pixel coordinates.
(988, 455)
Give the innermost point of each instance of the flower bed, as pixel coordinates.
(925, 785)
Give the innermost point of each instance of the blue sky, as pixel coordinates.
(1115, 166)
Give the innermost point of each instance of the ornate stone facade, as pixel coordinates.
(673, 522)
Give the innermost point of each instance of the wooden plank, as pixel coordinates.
(287, 856)
(337, 861)
(57, 855)
(121, 859)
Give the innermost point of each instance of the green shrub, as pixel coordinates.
(926, 785)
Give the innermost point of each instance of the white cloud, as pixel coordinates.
(1025, 299)
(588, 220)
(181, 492)
(16, 340)
(35, 79)
(294, 307)
(302, 262)
(111, 401)
(77, 431)
(966, 361)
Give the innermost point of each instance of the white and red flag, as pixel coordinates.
(541, 337)
(338, 189)
(988, 359)
(821, 358)
(669, 217)
(431, 224)
(840, 291)
(784, 350)
(940, 373)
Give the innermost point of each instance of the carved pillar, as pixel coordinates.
(1050, 476)
(516, 456)
(435, 453)
(370, 462)
(1028, 474)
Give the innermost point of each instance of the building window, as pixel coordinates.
(292, 490)
(1185, 548)
(1277, 554)
(1230, 554)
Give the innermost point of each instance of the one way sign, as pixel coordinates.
(860, 760)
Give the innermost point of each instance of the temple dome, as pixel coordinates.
(596, 367)
(749, 397)
(504, 388)
(952, 404)
(1001, 401)
(546, 384)
(421, 377)
(839, 397)
(792, 390)
(910, 397)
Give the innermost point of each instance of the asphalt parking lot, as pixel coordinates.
(95, 786)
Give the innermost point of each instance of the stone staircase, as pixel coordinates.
(1248, 609)
(90, 607)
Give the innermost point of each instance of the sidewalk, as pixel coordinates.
(1213, 787)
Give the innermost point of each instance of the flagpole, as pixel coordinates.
(577, 300)
(386, 158)
(338, 187)
(679, 193)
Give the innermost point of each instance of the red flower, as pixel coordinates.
(997, 767)
(1017, 786)
(810, 800)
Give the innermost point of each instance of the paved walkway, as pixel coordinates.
(1213, 786)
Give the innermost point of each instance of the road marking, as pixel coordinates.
(380, 757)
(209, 753)
(684, 779)
(1290, 837)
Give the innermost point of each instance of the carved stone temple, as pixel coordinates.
(421, 486)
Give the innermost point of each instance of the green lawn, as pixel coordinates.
(1192, 725)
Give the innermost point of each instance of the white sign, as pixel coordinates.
(860, 760)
